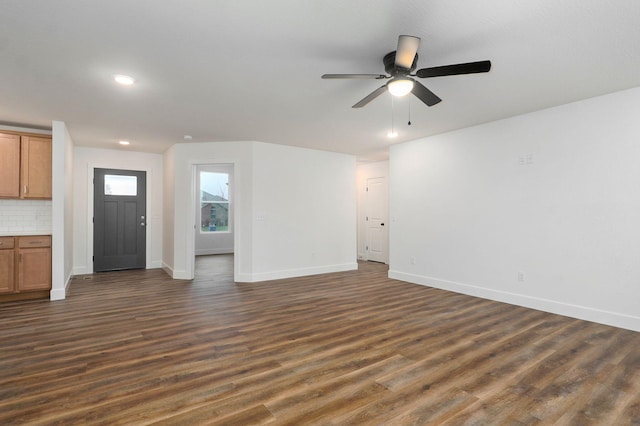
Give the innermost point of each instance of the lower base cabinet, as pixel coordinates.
(25, 264)
(7, 264)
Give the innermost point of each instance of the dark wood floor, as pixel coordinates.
(347, 348)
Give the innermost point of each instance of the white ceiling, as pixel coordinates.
(250, 69)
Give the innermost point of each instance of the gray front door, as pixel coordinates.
(119, 219)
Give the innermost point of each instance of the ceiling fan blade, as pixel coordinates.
(466, 68)
(424, 94)
(371, 96)
(406, 51)
(363, 76)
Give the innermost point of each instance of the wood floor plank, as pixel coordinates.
(137, 348)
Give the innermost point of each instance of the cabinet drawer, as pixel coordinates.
(34, 241)
(6, 243)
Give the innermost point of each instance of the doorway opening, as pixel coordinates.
(373, 211)
(214, 230)
(216, 268)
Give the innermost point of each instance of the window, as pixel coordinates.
(214, 202)
(120, 185)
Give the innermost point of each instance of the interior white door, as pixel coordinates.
(377, 244)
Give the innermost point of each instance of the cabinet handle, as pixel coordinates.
(25, 189)
(20, 257)
(35, 242)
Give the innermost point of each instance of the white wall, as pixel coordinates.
(367, 171)
(539, 210)
(61, 210)
(168, 209)
(84, 161)
(215, 242)
(295, 209)
(304, 212)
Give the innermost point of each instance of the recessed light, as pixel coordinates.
(188, 137)
(124, 142)
(124, 79)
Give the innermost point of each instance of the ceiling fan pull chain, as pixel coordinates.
(393, 130)
(409, 122)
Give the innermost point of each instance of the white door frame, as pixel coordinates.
(90, 176)
(191, 224)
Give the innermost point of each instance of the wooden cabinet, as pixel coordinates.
(9, 165)
(34, 263)
(35, 167)
(25, 166)
(7, 264)
(25, 264)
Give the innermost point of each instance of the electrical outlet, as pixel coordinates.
(520, 276)
(413, 260)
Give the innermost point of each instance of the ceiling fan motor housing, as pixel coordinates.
(389, 61)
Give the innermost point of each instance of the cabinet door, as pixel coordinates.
(9, 165)
(34, 269)
(35, 163)
(6, 271)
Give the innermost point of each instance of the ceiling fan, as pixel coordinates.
(400, 65)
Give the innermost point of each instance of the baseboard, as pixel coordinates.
(175, 274)
(57, 294)
(168, 269)
(85, 270)
(574, 311)
(82, 270)
(61, 293)
(242, 278)
(301, 272)
(205, 252)
(180, 275)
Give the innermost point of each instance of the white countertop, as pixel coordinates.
(23, 233)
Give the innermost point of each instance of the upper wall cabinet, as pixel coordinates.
(25, 166)
(35, 165)
(9, 165)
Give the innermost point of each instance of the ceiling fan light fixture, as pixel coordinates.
(400, 86)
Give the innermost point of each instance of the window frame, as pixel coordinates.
(227, 202)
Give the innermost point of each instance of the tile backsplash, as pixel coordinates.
(24, 216)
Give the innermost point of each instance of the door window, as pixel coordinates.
(120, 185)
